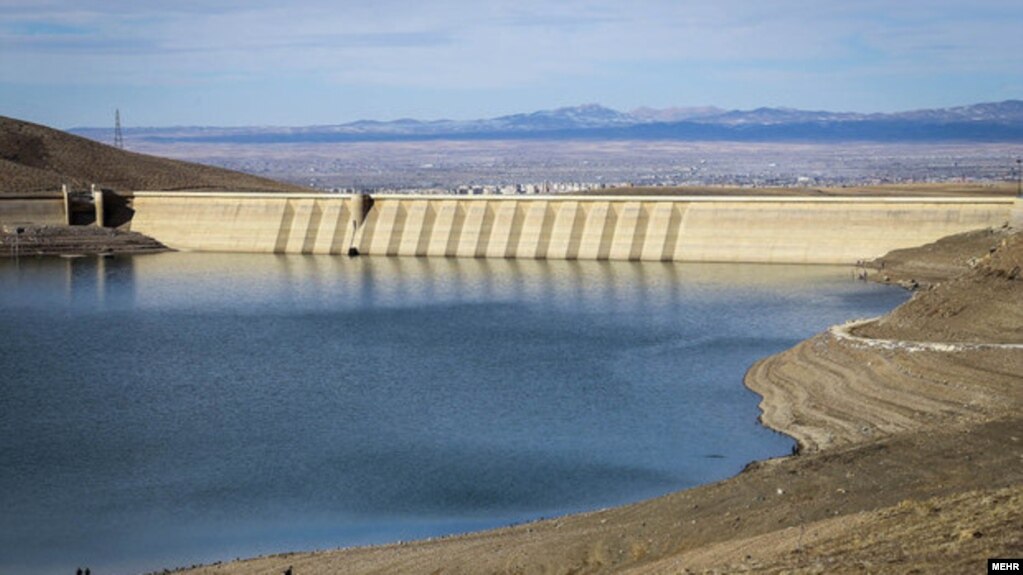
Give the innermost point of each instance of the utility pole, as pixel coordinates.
(118, 136)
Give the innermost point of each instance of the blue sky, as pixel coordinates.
(69, 63)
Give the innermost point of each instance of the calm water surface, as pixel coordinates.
(164, 410)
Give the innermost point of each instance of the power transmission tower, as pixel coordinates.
(118, 136)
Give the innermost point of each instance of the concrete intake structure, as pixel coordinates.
(34, 209)
(684, 228)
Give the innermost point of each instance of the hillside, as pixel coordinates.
(981, 305)
(35, 158)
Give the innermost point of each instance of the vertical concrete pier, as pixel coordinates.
(66, 196)
(97, 200)
(358, 206)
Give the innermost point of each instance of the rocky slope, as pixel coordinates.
(25, 241)
(985, 304)
(36, 158)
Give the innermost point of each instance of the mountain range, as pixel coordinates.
(990, 122)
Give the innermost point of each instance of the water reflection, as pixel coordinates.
(241, 282)
(98, 282)
(400, 281)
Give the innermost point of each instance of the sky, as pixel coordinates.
(71, 63)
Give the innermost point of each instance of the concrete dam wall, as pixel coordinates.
(33, 209)
(706, 229)
(103, 208)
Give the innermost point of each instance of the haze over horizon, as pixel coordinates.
(240, 63)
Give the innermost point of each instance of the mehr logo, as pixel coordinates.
(1004, 566)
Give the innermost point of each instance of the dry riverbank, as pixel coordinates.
(984, 304)
(939, 261)
(911, 459)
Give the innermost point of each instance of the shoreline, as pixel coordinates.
(909, 457)
(846, 332)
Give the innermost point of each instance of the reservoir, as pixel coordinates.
(163, 410)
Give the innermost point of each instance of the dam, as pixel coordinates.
(750, 229)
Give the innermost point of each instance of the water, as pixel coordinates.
(171, 409)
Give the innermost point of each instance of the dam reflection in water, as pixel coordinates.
(178, 408)
(238, 279)
(397, 281)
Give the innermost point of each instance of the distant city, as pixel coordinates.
(533, 167)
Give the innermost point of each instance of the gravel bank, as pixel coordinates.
(24, 241)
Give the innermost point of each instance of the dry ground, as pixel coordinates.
(983, 305)
(938, 261)
(35, 158)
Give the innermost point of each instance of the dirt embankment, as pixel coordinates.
(911, 461)
(837, 390)
(24, 241)
(936, 262)
(984, 304)
(36, 158)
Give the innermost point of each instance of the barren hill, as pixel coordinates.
(985, 304)
(35, 158)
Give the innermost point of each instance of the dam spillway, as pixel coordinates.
(765, 229)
